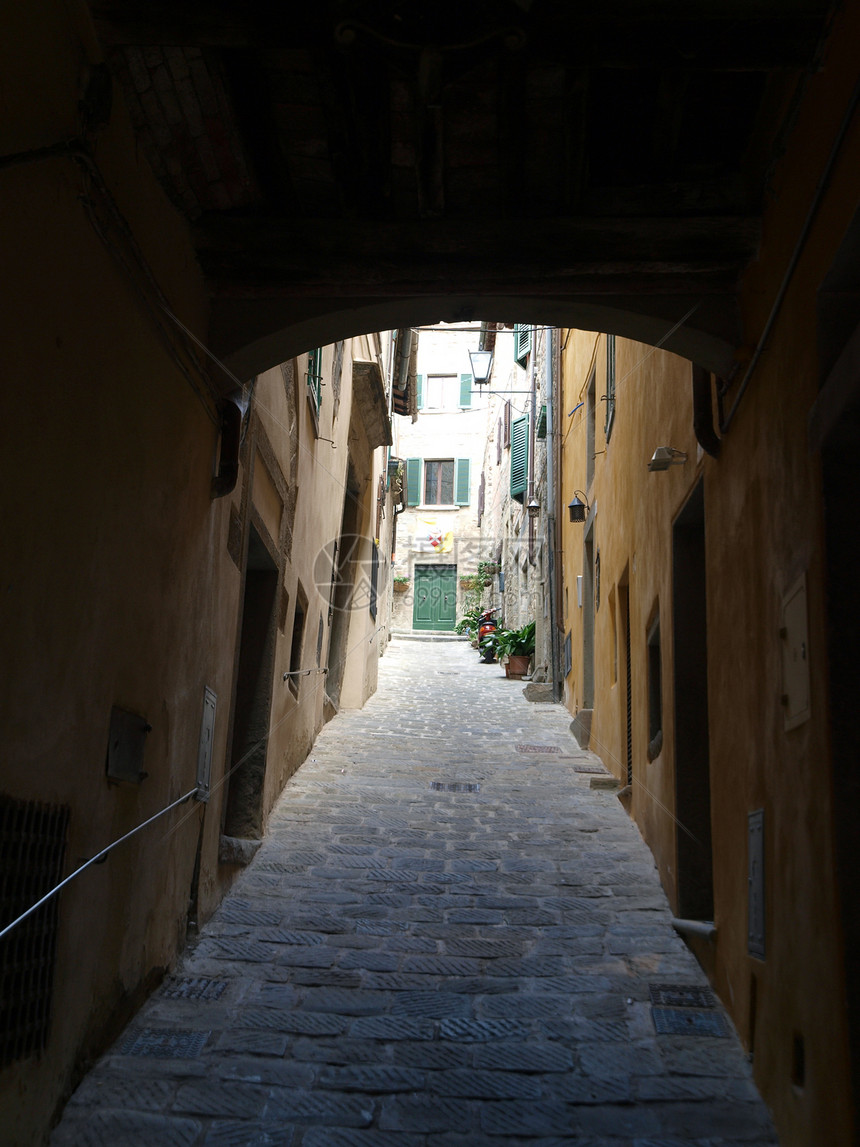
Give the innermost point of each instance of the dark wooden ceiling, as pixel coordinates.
(335, 156)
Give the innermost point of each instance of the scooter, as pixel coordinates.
(487, 626)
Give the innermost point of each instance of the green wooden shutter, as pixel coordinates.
(420, 391)
(413, 481)
(461, 481)
(522, 341)
(520, 458)
(315, 376)
(465, 390)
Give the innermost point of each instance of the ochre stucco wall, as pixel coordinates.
(765, 524)
(763, 529)
(109, 592)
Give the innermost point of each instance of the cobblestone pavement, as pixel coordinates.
(407, 964)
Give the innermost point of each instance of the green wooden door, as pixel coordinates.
(435, 601)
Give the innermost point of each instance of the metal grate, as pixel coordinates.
(164, 1044)
(195, 988)
(688, 1021)
(453, 787)
(681, 996)
(32, 846)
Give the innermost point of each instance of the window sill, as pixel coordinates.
(435, 506)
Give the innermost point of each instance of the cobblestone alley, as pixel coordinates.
(448, 937)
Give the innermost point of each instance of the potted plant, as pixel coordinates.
(467, 626)
(469, 581)
(401, 583)
(517, 646)
(486, 572)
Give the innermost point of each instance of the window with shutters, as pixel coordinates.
(610, 385)
(522, 342)
(438, 481)
(519, 458)
(446, 392)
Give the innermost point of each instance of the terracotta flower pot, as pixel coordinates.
(518, 665)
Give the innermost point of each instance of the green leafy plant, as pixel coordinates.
(490, 643)
(401, 579)
(486, 572)
(468, 623)
(516, 642)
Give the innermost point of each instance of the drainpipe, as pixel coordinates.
(550, 514)
(704, 928)
(532, 429)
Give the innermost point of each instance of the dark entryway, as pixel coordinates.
(692, 756)
(244, 812)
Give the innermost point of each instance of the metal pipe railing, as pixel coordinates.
(305, 672)
(97, 859)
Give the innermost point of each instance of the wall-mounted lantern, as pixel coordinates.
(666, 456)
(533, 507)
(577, 507)
(482, 365)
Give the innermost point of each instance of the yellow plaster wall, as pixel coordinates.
(763, 530)
(110, 590)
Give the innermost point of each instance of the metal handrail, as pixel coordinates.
(97, 859)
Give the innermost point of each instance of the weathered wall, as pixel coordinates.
(632, 510)
(765, 526)
(110, 593)
(763, 531)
